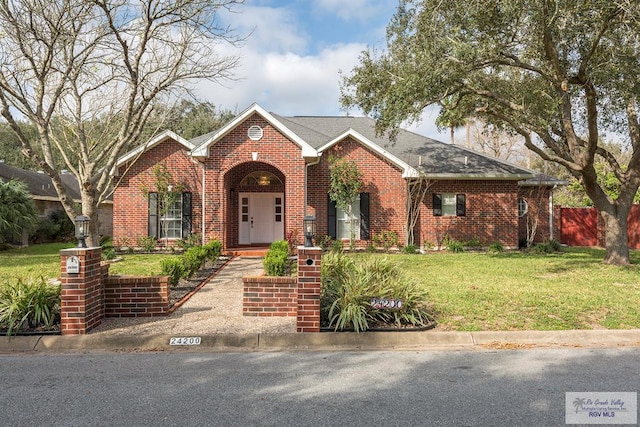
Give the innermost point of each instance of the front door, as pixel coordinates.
(261, 218)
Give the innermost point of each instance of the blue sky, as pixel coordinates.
(291, 61)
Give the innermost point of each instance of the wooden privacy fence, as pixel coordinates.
(584, 227)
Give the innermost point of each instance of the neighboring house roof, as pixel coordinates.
(39, 184)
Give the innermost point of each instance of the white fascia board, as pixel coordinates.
(202, 150)
(407, 170)
(167, 134)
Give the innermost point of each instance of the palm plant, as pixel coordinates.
(17, 210)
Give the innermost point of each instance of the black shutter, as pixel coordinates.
(461, 206)
(186, 215)
(437, 204)
(364, 217)
(332, 218)
(153, 215)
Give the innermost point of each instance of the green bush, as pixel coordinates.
(174, 268)
(386, 240)
(337, 246)
(496, 248)
(213, 250)
(554, 245)
(455, 246)
(193, 259)
(348, 288)
(56, 227)
(33, 303)
(323, 241)
(276, 261)
(190, 241)
(410, 249)
(146, 243)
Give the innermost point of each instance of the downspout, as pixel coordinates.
(203, 201)
(306, 182)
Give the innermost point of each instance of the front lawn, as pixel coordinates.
(467, 291)
(44, 260)
(515, 291)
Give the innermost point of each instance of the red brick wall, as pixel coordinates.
(81, 296)
(231, 160)
(269, 296)
(136, 296)
(309, 288)
(538, 201)
(491, 205)
(130, 205)
(491, 213)
(381, 179)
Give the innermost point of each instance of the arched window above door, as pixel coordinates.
(261, 178)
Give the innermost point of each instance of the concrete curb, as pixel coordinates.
(344, 341)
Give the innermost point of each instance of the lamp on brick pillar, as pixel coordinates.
(309, 230)
(82, 230)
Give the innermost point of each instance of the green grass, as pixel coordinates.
(467, 291)
(515, 291)
(44, 260)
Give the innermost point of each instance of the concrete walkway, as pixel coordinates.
(214, 309)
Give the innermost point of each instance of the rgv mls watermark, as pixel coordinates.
(601, 408)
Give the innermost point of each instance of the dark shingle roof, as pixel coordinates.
(39, 184)
(429, 156)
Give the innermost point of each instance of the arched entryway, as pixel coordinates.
(256, 211)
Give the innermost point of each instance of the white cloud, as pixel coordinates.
(277, 71)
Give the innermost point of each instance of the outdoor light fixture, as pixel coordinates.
(309, 230)
(82, 230)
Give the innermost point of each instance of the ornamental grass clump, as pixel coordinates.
(29, 304)
(349, 289)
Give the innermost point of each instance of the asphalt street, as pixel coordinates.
(355, 388)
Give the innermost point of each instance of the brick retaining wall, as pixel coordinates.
(269, 296)
(136, 296)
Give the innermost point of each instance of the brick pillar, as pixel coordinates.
(309, 263)
(82, 295)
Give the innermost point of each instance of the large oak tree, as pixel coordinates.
(563, 74)
(89, 73)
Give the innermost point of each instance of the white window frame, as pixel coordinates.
(344, 223)
(173, 220)
(449, 204)
(523, 207)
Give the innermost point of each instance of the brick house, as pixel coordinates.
(254, 180)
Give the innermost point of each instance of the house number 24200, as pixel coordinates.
(185, 341)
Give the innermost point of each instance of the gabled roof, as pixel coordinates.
(163, 136)
(202, 149)
(39, 184)
(434, 159)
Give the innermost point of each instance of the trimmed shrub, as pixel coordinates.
(193, 259)
(34, 303)
(213, 250)
(277, 259)
(174, 268)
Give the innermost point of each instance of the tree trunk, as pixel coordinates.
(615, 236)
